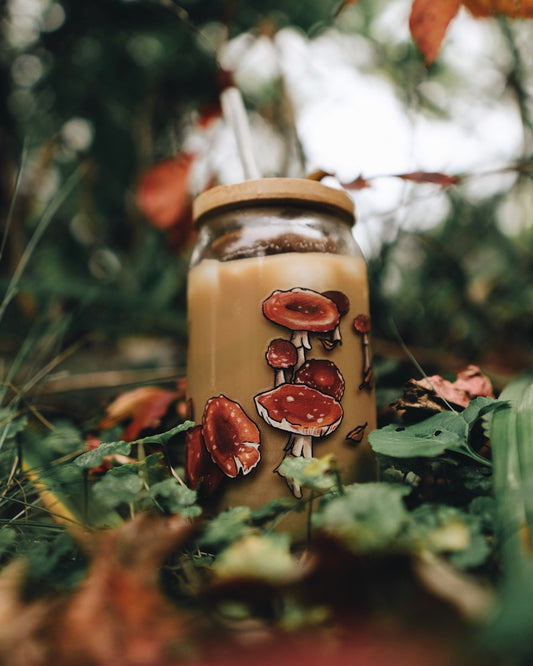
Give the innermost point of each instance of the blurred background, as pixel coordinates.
(110, 124)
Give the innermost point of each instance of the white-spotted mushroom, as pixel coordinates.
(281, 356)
(302, 411)
(231, 437)
(302, 311)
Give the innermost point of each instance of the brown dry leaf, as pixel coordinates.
(432, 393)
(163, 191)
(511, 8)
(145, 406)
(428, 23)
(434, 177)
(118, 616)
(359, 183)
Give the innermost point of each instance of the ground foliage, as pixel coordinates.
(110, 537)
(108, 557)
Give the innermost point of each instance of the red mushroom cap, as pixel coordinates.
(301, 310)
(321, 375)
(230, 436)
(281, 354)
(341, 301)
(362, 323)
(299, 409)
(198, 463)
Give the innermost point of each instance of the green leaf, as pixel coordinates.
(260, 557)
(273, 509)
(8, 539)
(63, 439)
(176, 498)
(367, 517)
(95, 457)
(446, 431)
(447, 530)
(226, 527)
(164, 437)
(120, 485)
(313, 473)
(10, 426)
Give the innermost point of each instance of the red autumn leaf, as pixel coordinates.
(430, 177)
(145, 406)
(163, 191)
(511, 8)
(428, 23)
(470, 383)
(360, 183)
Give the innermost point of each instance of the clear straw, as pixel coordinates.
(236, 117)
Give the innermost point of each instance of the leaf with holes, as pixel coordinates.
(443, 432)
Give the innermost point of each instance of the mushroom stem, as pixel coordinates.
(300, 339)
(300, 445)
(294, 487)
(279, 377)
(367, 365)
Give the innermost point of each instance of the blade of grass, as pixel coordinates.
(41, 227)
(512, 457)
(14, 198)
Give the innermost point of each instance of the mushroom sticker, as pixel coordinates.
(361, 326)
(302, 311)
(331, 339)
(225, 444)
(306, 403)
(199, 466)
(302, 411)
(281, 355)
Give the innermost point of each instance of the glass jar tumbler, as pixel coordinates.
(279, 360)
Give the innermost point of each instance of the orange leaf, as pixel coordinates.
(511, 8)
(430, 177)
(360, 183)
(428, 23)
(163, 191)
(145, 406)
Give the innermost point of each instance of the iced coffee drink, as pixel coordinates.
(279, 362)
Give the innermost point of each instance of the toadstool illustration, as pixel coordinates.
(199, 467)
(321, 375)
(302, 411)
(231, 437)
(361, 325)
(281, 355)
(302, 311)
(333, 338)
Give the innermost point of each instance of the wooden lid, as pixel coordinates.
(267, 191)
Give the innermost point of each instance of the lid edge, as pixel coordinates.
(272, 190)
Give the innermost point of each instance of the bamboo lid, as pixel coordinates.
(273, 191)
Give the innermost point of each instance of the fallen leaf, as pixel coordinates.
(145, 406)
(163, 191)
(359, 183)
(511, 8)
(434, 177)
(428, 23)
(470, 383)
